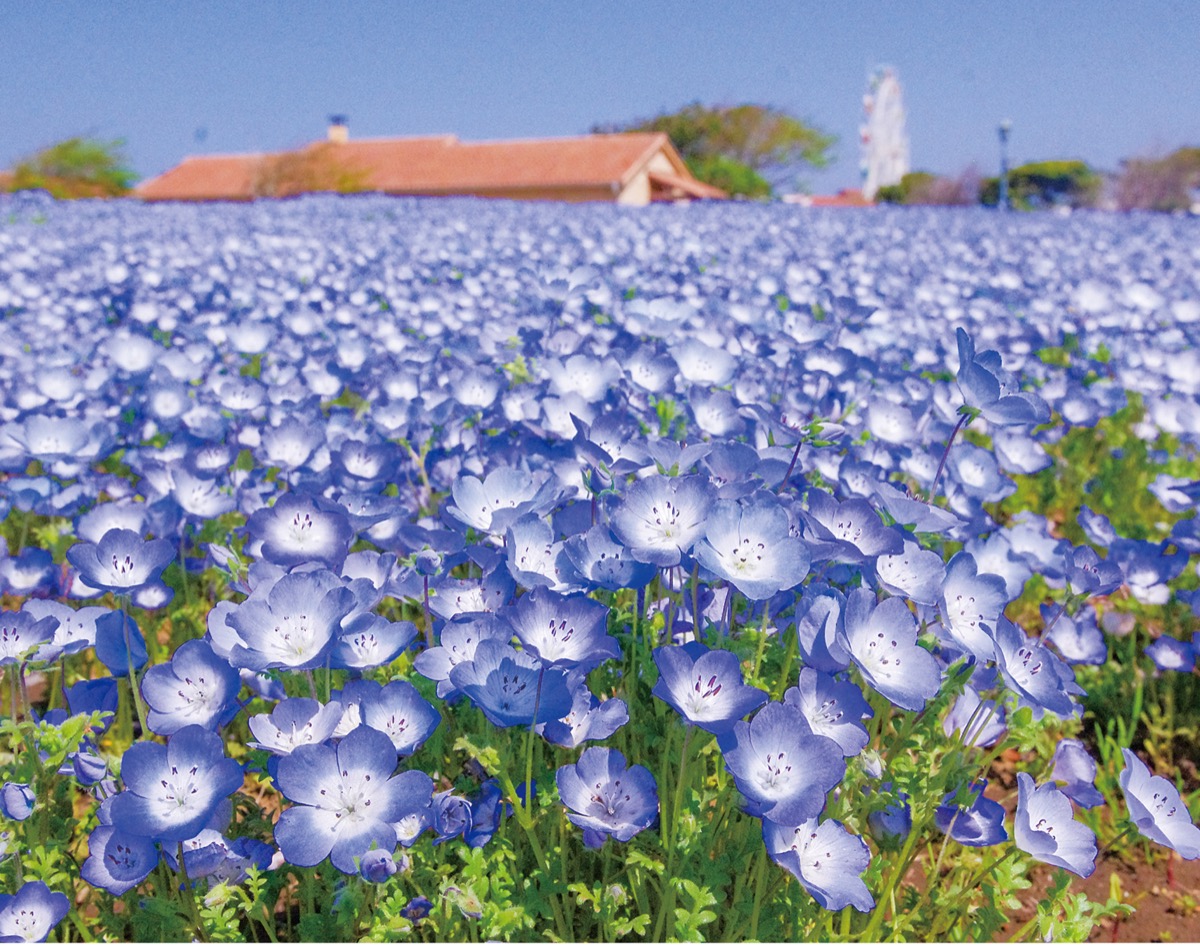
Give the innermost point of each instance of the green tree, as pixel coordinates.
(77, 167)
(740, 147)
(1043, 184)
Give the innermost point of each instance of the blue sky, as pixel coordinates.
(1098, 80)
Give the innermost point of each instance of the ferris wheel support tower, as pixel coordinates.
(883, 135)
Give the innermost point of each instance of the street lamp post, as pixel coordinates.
(1004, 129)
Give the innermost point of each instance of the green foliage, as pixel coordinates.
(77, 167)
(911, 184)
(921, 188)
(730, 147)
(1043, 184)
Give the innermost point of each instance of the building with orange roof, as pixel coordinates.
(631, 168)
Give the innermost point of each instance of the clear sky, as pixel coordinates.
(1096, 79)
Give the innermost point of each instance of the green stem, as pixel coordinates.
(526, 822)
(871, 932)
(759, 873)
(189, 897)
(133, 683)
(676, 808)
(788, 656)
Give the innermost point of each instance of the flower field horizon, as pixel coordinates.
(463, 570)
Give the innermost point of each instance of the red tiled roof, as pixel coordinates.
(843, 198)
(686, 186)
(428, 165)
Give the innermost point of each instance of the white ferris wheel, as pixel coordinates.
(883, 135)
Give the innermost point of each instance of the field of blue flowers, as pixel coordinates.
(464, 570)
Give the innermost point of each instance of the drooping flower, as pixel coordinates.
(826, 858)
(122, 561)
(17, 800)
(346, 800)
(979, 823)
(1075, 769)
(172, 790)
(1088, 573)
(1044, 827)
(1157, 810)
(781, 767)
(589, 718)
(606, 798)
(1034, 672)
(986, 719)
(705, 686)
(993, 391)
(22, 634)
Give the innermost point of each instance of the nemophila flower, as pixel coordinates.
(1147, 568)
(211, 856)
(511, 687)
(76, 629)
(94, 695)
(451, 816)
(826, 858)
(821, 630)
(705, 686)
(589, 718)
(121, 562)
(1170, 654)
(833, 707)
(346, 800)
(457, 645)
(1075, 770)
(782, 769)
(977, 721)
(487, 807)
(1088, 573)
(1044, 827)
(120, 645)
(1077, 637)
(31, 913)
(172, 790)
(118, 861)
(893, 822)
(914, 573)
(16, 800)
(534, 558)
(1034, 672)
(1157, 810)
(196, 687)
(377, 866)
(417, 908)
(977, 823)
(398, 711)
(563, 631)
(451, 598)
(882, 640)
(993, 391)
(749, 544)
(496, 502)
(606, 798)
(603, 562)
(292, 626)
(660, 518)
(970, 605)
(22, 634)
(30, 573)
(302, 528)
(294, 722)
(366, 640)
(849, 532)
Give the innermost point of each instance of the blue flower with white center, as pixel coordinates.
(985, 718)
(291, 626)
(16, 800)
(31, 914)
(1034, 672)
(826, 858)
(660, 518)
(534, 558)
(196, 687)
(603, 562)
(22, 634)
(705, 686)
(821, 629)
(301, 528)
(1077, 637)
(1088, 573)
(398, 711)
(117, 862)
(589, 718)
(971, 604)
(346, 800)
(749, 544)
(121, 562)
(833, 707)
(979, 822)
(457, 645)
(566, 632)
(882, 639)
(172, 790)
(606, 798)
(914, 573)
(1044, 827)
(1170, 654)
(295, 722)
(496, 502)
(849, 532)
(1157, 810)
(366, 640)
(781, 767)
(511, 687)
